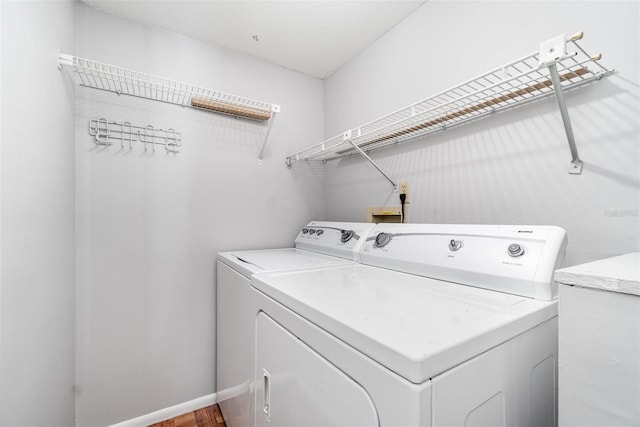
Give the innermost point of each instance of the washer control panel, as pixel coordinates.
(343, 239)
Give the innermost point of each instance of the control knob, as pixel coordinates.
(305, 230)
(515, 250)
(312, 231)
(319, 232)
(455, 245)
(346, 235)
(382, 239)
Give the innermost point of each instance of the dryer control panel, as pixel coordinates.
(513, 259)
(342, 239)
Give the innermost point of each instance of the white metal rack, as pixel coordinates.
(107, 133)
(537, 75)
(122, 81)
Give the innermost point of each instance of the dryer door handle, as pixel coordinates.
(266, 394)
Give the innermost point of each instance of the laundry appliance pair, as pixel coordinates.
(436, 324)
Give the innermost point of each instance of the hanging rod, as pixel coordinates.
(112, 78)
(548, 71)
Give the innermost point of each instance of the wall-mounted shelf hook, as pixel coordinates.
(106, 132)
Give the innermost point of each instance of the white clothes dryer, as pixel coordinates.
(438, 325)
(318, 244)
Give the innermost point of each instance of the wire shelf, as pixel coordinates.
(519, 82)
(122, 81)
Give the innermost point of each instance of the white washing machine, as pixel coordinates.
(317, 244)
(439, 325)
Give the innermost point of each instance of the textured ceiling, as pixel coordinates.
(312, 37)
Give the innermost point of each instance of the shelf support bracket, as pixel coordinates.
(576, 164)
(370, 160)
(64, 60)
(551, 52)
(274, 109)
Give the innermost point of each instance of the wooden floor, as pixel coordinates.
(205, 417)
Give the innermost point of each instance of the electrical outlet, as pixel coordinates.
(404, 189)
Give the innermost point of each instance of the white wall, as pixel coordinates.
(37, 246)
(511, 168)
(149, 225)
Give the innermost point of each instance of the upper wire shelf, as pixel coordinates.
(519, 82)
(120, 80)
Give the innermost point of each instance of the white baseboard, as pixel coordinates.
(170, 412)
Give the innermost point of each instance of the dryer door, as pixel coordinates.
(295, 386)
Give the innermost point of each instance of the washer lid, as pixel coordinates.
(249, 262)
(415, 326)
